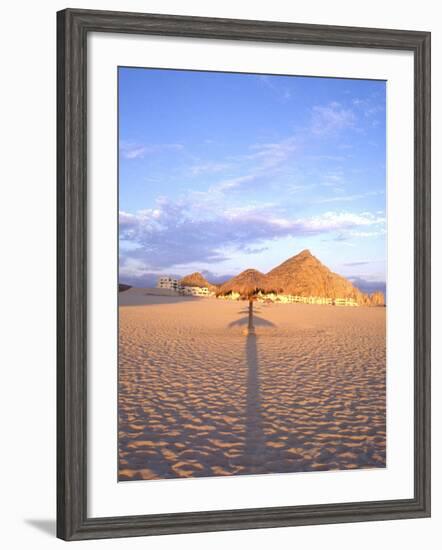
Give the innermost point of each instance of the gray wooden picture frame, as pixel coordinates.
(73, 27)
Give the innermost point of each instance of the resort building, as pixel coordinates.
(169, 283)
(295, 299)
(230, 296)
(187, 290)
(345, 302)
(195, 291)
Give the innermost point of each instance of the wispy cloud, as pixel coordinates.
(209, 168)
(233, 183)
(368, 106)
(273, 154)
(353, 264)
(264, 161)
(332, 178)
(332, 221)
(282, 93)
(260, 163)
(371, 109)
(130, 151)
(367, 234)
(337, 158)
(331, 118)
(350, 198)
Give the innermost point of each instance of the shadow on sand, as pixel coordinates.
(151, 299)
(255, 448)
(257, 321)
(254, 452)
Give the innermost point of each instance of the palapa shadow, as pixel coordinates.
(257, 321)
(254, 448)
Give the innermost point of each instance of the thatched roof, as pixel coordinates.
(301, 275)
(196, 279)
(247, 282)
(305, 275)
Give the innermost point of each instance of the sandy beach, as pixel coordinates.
(198, 398)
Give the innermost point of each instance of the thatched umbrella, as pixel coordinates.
(248, 284)
(196, 279)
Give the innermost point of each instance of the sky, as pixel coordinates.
(220, 172)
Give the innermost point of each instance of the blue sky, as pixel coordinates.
(220, 172)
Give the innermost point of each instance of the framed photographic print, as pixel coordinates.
(243, 274)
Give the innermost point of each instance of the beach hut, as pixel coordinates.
(248, 284)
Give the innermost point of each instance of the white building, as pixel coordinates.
(345, 302)
(231, 296)
(169, 283)
(195, 291)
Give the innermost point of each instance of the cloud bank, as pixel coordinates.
(173, 233)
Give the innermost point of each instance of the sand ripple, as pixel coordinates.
(197, 398)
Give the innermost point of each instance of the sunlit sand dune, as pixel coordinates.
(198, 398)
